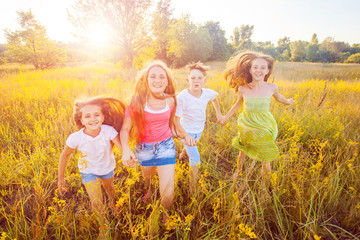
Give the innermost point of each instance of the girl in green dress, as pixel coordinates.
(257, 130)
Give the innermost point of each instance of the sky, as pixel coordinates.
(272, 19)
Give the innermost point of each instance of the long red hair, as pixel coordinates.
(138, 100)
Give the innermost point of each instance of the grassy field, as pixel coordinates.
(316, 178)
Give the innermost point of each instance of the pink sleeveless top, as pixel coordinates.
(157, 126)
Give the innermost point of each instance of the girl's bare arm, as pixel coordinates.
(128, 157)
(280, 98)
(234, 108)
(64, 158)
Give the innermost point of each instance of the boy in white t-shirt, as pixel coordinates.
(191, 113)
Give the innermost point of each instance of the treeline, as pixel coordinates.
(140, 35)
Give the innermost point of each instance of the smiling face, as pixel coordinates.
(196, 80)
(259, 69)
(157, 80)
(92, 117)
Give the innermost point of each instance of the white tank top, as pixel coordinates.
(147, 109)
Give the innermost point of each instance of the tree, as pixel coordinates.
(2, 57)
(2, 48)
(284, 56)
(31, 45)
(125, 17)
(312, 50)
(266, 48)
(297, 49)
(235, 38)
(161, 22)
(333, 51)
(220, 46)
(355, 58)
(283, 44)
(241, 38)
(246, 31)
(355, 48)
(188, 42)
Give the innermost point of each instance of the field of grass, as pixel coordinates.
(315, 180)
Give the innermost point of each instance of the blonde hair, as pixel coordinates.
(113, 110)
(237, 70)
(199, 66)
(141, 92)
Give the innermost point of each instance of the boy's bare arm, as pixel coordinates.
(216, 105)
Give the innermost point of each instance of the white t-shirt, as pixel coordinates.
(96, 155)
(192, 110)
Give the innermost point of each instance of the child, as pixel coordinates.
(151, 117)
(99, 120)
(248, 74)
(191, 113)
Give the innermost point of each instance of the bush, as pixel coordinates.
(355, 58)
(2, 60)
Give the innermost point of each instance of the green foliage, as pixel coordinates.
(284, 56)
(297, 49)
(2, 48)
(188, 42)
(3, 60)
(312, 53)
(266, 48)
(314, 39)
(333, 51)
(160, 26)
(242, 37)
(235, 38)
(221, 50)
(283, 45)
(31, 45)
(355, 58)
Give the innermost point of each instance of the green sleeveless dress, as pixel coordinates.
(257, 130)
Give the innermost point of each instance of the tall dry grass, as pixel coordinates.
(315, 180)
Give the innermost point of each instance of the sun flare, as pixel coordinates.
(98, 34)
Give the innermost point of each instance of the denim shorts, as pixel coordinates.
(156, 154)
(192, 151)
(88, 177)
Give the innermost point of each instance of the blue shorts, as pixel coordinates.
(88, 177)
(156, 154)
(192, 151)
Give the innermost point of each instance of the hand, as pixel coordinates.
(222, 120)
(290, 101)
(189, 140)
(62, 186)
(129, 159)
